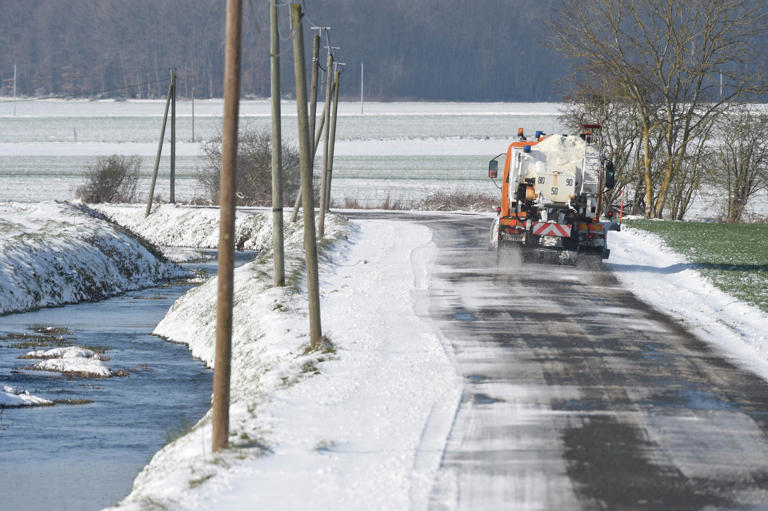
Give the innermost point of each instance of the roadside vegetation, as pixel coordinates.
(733, 257)
(675, 87)
(254, 169)
(111, 179)
(452, 200)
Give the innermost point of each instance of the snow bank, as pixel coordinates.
(11, 398)
(666, 280)
(54, 253)
(358, 425)
(185, 226)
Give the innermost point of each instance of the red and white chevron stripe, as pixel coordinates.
(550, 229)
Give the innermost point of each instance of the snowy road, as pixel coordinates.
(579, 396)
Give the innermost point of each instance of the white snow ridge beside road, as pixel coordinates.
(53, 253)
(358, 426)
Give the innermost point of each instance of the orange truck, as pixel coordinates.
(551, 193)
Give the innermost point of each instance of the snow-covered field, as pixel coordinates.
(54, 253)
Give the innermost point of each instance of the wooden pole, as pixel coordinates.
(173, 137)
(326, 141)
(193, 113)
(277, 178)
(336, 84)
(159, 152)
(295, 213)
(312, 114)
(310, 241)
(362, 77)
(313, 90)
(223, 360)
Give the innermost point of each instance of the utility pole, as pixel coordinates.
(277, 179)
(312, 110)
(313, 90)
(326, 140)
(173, 137)
(310, 241)
(362, 77)
(223, 360)
(193, 113)
(14, 89)
(336, 84)
(159, 151)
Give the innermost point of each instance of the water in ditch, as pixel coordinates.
(85, 456)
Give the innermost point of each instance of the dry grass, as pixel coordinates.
(456, 200)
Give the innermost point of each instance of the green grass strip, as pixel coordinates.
(732, 256)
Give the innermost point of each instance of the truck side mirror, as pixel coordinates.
(610, 175)
(493, 169)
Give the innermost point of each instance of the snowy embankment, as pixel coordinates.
(53, 253)
(358, 424)
(170, 225)
(666, 280)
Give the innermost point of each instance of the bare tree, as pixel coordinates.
(741, 159)
(666, 58)
(254, 176)
(111, 179)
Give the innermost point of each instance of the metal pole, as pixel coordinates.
(277, 179)
(173, 137)
(159, 152)
(310, 242)
(336, 85)
(222, 365)
(326, 141)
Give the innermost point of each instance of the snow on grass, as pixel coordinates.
(185, 226)
(358, 424)
(54, 253)
(13, 398)
(670, 282)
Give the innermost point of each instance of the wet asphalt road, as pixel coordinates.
(579, 396)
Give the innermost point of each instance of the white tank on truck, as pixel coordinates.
(551, 193)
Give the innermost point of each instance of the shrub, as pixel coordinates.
(254, 169)
(111, 179)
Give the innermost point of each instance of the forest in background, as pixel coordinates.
(484, 50)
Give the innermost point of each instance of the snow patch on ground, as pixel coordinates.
(668, 281)
(68, 352)
(13, 398)
(52, 253)
(170, 225)
(72, 361)
(360, 424)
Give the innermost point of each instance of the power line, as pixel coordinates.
(89, 93)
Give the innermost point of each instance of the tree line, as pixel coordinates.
(485, 50)
(674, 84)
